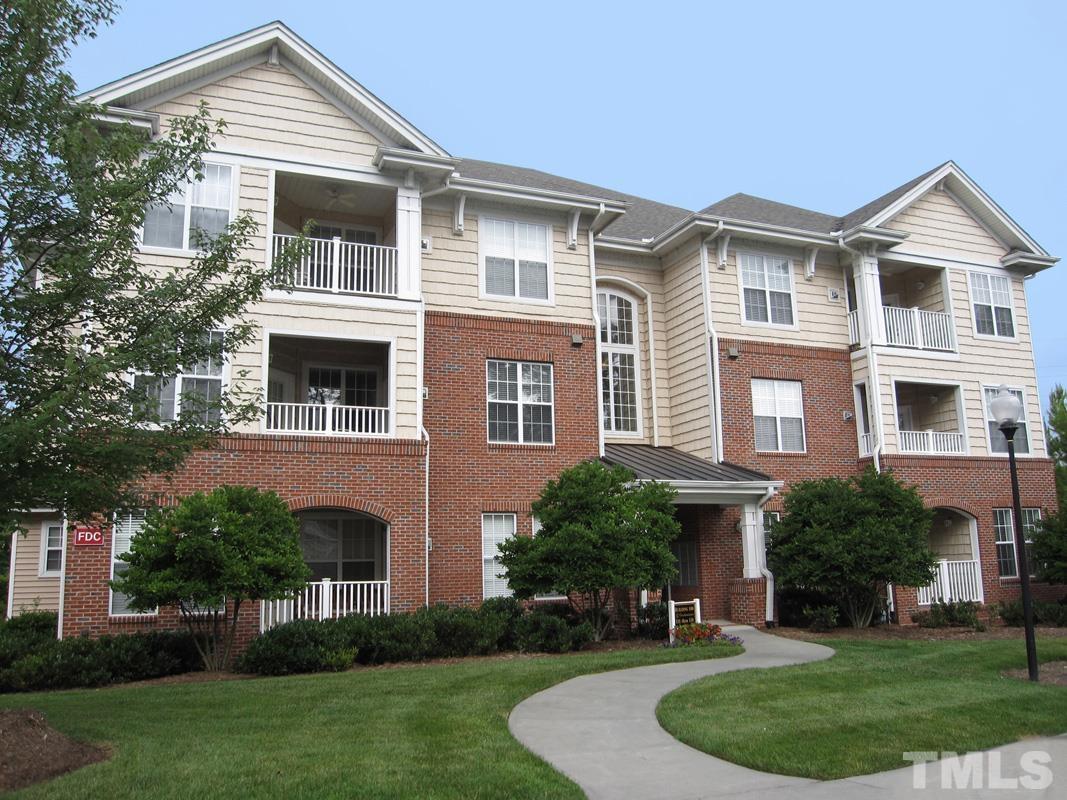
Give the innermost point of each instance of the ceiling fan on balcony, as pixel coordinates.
(334, 196)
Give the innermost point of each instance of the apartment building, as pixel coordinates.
(464, 330)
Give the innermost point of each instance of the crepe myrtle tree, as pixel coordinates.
(601, 530)
(209, 556)
(80, 314)
(849, 537)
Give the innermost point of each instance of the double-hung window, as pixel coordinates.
(991, 295)
(998, 442)
(1004, 530)
(519, 397)
(197, 211)
(496, 529)
(126, 526)
(197, 389)
(51, 548)
(618, 363)
(515, 259)
(767, 288)
(778, 415)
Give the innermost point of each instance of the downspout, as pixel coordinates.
(596, 335)
(872, 362)
(711, 352)
(11, 576)
(426, 517)
(765, 571)
(62, 578)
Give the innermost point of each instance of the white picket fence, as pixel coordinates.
(327, 599)
(956, 581)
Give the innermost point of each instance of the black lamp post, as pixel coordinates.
(1007, 408)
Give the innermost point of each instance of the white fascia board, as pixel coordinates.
(115, 117)
(976, 193)
(622, 245)
(1028, 261)
(395, 158)
(741, 228)
(538, 196)
(723, 493)
(865, 233)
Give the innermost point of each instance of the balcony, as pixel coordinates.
(333, 265)
(327, 387)
(953, 539)
(955, 582)
(929, 418)
(924, 330)
(932, 442)
(327, 599)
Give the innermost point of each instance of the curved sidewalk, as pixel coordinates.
(601, 731)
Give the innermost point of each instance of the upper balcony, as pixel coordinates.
(353, 235)
(929, 419)
(914, 313)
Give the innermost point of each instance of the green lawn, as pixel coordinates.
(859, 711)
(414, 731)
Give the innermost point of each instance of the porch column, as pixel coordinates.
(869, 298)
(752, 540)
(409, 242)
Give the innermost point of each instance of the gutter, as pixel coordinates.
(872, 369)
(711, 339)
(426, 517)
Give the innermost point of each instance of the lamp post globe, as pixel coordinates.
(1007, 410)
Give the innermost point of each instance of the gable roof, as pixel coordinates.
(273, 41)
(769, 212)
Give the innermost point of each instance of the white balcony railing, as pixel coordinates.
(327, 420)
(934, 442)
(955, 582)
(327, 599)
(923, 330)
(854, 327)
(866, 444)
(332, 265)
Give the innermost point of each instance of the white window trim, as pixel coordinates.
(310, 365)
(1014, 546)
(634, 350)
(332, 223)
(519, 403)
(111, 577)
(224, 377)
(974, 320)
(505, 298)
(1025, 419)
(186, 250)
(741, 292)
(515, 528)
(42, 568)
(778, 418)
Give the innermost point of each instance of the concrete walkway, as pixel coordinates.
(601, 731)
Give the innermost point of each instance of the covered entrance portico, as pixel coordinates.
(721, 551)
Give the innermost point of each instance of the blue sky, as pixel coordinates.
(824, 105)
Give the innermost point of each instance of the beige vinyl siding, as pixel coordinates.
(938, 225)
(270, 110)
(951, 542)
(646, 273)
(30, 590)
(821, 322)
(451, 273)
(686, 352)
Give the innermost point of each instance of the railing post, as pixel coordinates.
(325, 599)
(335, 264)
(947, 594)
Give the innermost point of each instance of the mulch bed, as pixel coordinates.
(34, 751)
(915, 633)
(1051, 672)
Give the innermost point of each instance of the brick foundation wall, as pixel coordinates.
(385, 479)
(470, 476)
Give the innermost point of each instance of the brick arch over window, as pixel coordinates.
(341, 501)
(950, 504)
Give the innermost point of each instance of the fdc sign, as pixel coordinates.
(88, 535)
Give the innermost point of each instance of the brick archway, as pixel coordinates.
(950, 504)
(341, 501)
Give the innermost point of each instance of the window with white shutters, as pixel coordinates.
(767, 288)
(778, 415)
(515, 259)
(126, 526)
(991, 298)
(496, 528)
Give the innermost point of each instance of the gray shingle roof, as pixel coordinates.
(668, 464)
(643, 220)
(646, 219)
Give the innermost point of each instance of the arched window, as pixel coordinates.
(343, 545)
(618, 362)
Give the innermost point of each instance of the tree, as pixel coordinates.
(211, 554)
(849, 537)
(1048, 552)
(600, 531)
(1056, 432)
(80, 314)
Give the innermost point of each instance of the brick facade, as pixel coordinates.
(469, 475)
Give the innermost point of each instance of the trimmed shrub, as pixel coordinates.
(949, 615)
(500, 615)
(1044, 613)
(821, 618)
(79, 662)
(298, 646)
(457, 632)
(653, 621)
(25, 634)
(793, 603)
(389, 637)
(540, 632)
